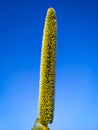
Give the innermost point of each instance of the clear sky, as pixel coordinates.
(21, 30)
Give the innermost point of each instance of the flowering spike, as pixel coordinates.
(47, 70)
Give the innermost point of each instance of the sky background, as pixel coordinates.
(21, 30)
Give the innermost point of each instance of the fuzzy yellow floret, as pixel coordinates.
(47, 70)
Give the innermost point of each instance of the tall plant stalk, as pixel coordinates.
(47, 71)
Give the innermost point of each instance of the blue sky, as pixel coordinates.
(21, 30)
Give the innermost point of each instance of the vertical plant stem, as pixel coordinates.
(47, 70)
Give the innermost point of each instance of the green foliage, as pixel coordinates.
(47, 70)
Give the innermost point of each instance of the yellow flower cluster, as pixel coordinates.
(47, 70)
